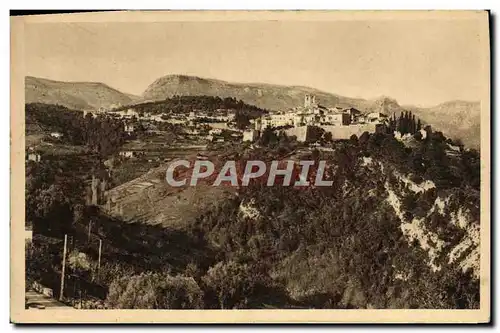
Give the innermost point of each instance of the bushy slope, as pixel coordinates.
(385, 235)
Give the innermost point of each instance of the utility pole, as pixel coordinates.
(90, 228)
(99, 260)
(63, 267)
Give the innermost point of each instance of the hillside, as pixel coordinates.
(387, 234)
(456, 119)
(398, 228)
(73, 95)
(150, 200)
(266, 96)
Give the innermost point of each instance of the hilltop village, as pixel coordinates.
(221, 125)
(341, 123)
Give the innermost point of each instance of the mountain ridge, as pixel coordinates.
(458, 119)
(74, 95)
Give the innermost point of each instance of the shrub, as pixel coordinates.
(154, 291)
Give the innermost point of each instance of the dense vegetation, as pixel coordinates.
(186, 104)
(104, 135)
(334, 247)
(405, 123)
(341, 246)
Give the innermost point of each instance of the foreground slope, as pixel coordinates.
(399, 228)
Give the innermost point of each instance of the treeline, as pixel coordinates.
(429, 159)
(186, 104)
(405, 123)
(102, 134)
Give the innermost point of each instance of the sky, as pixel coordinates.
(416, 62)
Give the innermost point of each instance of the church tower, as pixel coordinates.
(307, 100)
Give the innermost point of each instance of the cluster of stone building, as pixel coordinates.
(312, 113)
(341, 122)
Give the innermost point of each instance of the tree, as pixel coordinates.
(79, 264)
(50, 210)
(400, 123)
(154, 291)
(328, 137)
(235, 285)
(315, 133)
(39, 261)
(363, 139)
(268, 137)
(241, 119)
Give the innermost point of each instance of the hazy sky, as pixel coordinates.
(416, 62)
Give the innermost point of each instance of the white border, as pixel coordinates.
(200, 4)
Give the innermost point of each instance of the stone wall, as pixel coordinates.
(300, 132)
(345, 132)
(338, 132)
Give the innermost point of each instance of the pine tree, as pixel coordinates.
(410, 122)
(405, 123)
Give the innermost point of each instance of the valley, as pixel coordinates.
(399, 227)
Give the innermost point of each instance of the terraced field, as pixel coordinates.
(151, 200)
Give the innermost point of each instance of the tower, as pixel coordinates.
(307, 100)
(258, 124)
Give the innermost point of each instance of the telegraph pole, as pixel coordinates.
(99, 260)
(63, 267)
(90, 228)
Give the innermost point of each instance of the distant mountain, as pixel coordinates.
(267, 96)
(457, 119)
(74, 95)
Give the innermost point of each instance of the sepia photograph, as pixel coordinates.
(245, 167)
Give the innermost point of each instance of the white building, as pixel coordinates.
(129, 128)
(28, 235)
(56, 135)
(215, 131)
(34, 157)
(127, 154)
(376, 117)
(250, 135)
(129, 113)
(338, 119)
(278, 120)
